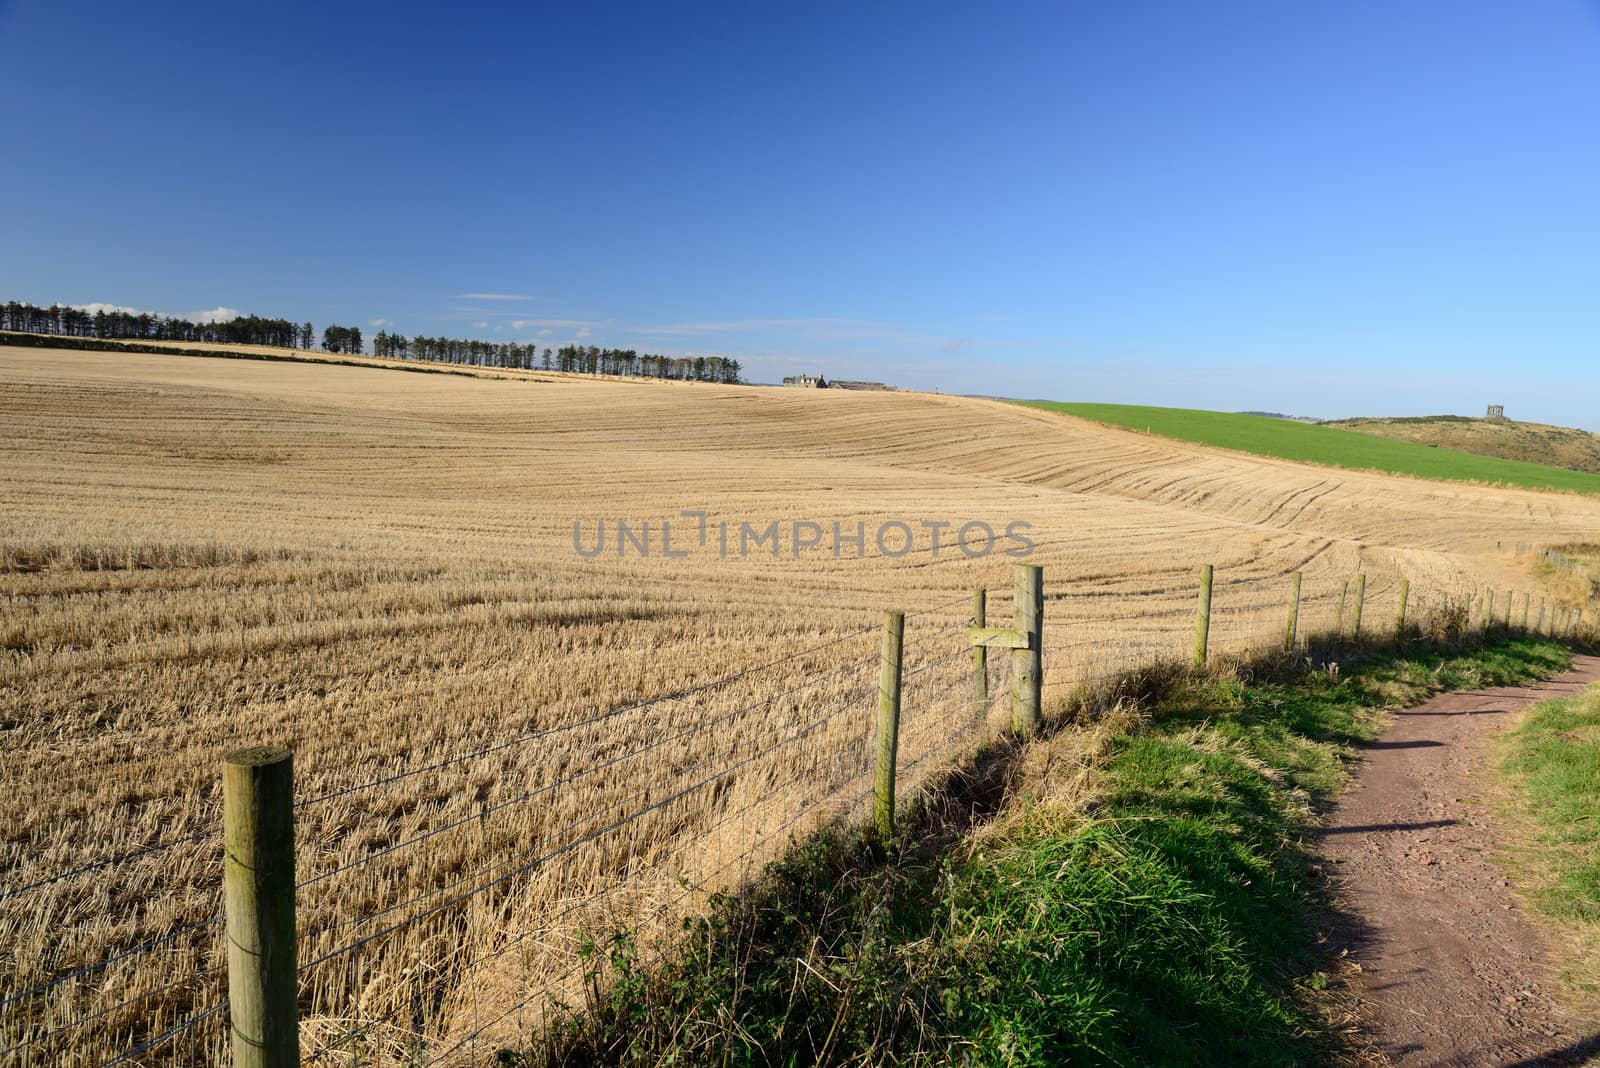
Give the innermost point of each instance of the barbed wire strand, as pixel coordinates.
(529, 999)
(105, 962)
(856, 695)
(602, 717)
(589, 899)
(80, 1021)
(172, 1032)
(119, 858)
(548, 787)
(568, 847)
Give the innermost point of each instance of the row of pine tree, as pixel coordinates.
(65, 320)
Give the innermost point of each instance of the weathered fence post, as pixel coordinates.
(894, 627)
(1361, 598)
(258, 893)
(1488, 611)
(1294, 613)
(1508, 609)
(1025, 639)
(1027, 662)
(1400, 614)
(1344, 592)
(1202, 618)
(1538, 628)
(980, 659)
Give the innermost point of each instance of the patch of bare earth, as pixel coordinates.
(1451, 971)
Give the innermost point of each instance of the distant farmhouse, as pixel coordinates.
(818, 382)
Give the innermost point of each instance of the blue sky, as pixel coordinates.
(1327, 209)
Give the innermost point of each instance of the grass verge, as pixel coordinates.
(1135, 893)
(1551, 764)
(1310, 443)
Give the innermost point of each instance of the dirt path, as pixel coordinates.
(1452, 972)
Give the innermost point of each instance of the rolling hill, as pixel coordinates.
(405, 579)
(1335, 446)
(1555, 446)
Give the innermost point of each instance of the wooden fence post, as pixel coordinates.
(1027, 661)
(1488, 611)
(1025, 639)
(258, 893)
(1508, 608)
(894, 627)
(1527, 607)
(1294, 613)
(1344, 592)
(1361, 598)
(1400, 615)
(1538, 628)
(980, 659)
(1202, 618)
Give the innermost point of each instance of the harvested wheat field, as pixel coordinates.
(502, 744)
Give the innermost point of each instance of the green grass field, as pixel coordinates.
(1287, 440)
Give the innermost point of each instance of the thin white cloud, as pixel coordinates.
(505, 296)
(380, 322)
(218, 314)
(110, 309)
(480, 326)
(584, 332)
(729, 326)
(545, 333)
(521, 320)
(559, 324)
(956, 344)
(817, 330)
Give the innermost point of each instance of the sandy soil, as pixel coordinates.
(1451, 970)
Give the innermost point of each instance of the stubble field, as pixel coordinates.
(500, 742)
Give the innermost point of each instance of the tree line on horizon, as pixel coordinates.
(68, 321)
(580, 359)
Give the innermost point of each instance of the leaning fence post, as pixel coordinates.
(1027, 658)
(980, 659)
(1202, 618)
(1361, 597)
(1344, 592)
(1400, 614)
(894, 627)
(258, 892)
(1294, 613)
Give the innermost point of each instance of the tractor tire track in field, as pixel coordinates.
(1451, 973)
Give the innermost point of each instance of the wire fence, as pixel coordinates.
(450, 909)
